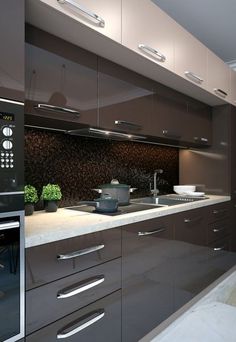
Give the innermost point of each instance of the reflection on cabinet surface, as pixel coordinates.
(125, 99)
(61, 79)
(12, 18)
(147, 276)
(147, 30)
(100, 321)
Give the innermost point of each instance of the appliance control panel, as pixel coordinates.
(7, 130)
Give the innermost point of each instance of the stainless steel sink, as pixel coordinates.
(166, 200)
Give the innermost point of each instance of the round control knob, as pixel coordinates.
(7, 144)
(7, 131)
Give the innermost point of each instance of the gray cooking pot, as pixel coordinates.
(104, 204)
(118, 191)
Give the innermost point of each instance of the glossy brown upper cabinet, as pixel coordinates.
(190, 57)
(125, 99)
(61, 79)
(12, 21)
(103, 16)
(218, 76)
(147, 30)
(233, 86)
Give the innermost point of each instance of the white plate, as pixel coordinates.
(194, 193)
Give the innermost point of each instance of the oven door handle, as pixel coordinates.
(9, 225)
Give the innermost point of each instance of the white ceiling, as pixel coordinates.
(213, 22)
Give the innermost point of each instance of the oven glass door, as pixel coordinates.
(9, 277)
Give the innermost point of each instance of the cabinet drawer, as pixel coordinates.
(55, 260)
(100, 321)
(66, 295)
(190, 227)
(218, 212)
(218, 230)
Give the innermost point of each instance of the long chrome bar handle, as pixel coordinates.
(156, 53)
(80, 252)
(219, 248)
(169, 134)
(9, 225)
(219, 211)
(220, 92)
(195, 219)
(84, 10)
(151, 232)
(193, 76)
(80, 287)
(217, 230)
(51, 108)
(74, 327)
(201, 140)
(127, 124)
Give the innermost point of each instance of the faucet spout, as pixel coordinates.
(155, 191)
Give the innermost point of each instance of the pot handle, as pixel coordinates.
(132, 189)
(92, 203)
(98, 190)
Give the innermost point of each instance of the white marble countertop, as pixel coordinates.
(212, 318)
(42, 227)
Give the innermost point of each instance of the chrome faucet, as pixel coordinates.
(155, 191)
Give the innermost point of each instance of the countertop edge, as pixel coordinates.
(36, 236)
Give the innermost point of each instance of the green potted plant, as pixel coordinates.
(51, 194)
(31, 197)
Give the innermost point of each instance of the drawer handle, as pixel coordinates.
(219, 248)
(219, 211)
(51, 108)
(193, 77)
(201, 139)
(220, 92)
(157, 53)
(172, 135)
(127, 123)
(80, 252)
(196, 219)
(9, 225)
(76, 326)
(84, 10)
(151, 232)
(217, 230)
(82, 286)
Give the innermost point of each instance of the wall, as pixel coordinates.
(80, 164)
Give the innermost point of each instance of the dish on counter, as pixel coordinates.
(184, 189)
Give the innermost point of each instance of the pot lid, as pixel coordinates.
(114, 185)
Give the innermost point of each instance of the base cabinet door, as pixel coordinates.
(98, 322)
(147, 291)
(190, 255)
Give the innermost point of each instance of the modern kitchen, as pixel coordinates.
(118, 183)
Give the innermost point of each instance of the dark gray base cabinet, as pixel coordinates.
(98, 322)
(147, 281)
(43, 263)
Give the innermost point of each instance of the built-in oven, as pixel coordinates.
(11, 276)
(11, 220)
(11, 155)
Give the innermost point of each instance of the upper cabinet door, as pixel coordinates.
(12, 50)
(190, 57)
(125, 99)
(233, 87)
(218, 76)
(61, 79)
(103, 16)
(146, 29)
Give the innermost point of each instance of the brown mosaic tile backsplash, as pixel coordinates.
(80, 164)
